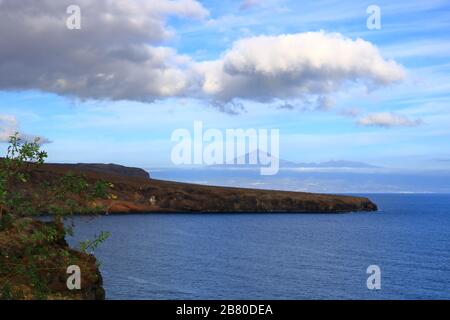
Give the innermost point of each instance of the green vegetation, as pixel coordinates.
(33, 254)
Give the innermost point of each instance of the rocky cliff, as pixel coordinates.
(34, 262)
(100, 168)
(132, 191)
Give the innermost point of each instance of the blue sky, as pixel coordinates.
(414, 34)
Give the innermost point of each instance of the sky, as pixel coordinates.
(115, 90)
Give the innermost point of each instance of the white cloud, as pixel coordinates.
(388, 120)
(117, 54)
(9, 126)
(295, 66)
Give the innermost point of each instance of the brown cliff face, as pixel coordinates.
(102, 169)
(133, 191)
(34, 265)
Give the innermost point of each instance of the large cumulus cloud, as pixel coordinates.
(119, 54)
(295, 66)
(115, 55)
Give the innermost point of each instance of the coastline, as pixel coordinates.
(133, 191)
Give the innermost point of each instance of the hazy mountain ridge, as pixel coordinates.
(260, 157)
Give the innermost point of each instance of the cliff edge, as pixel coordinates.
(34, 262)
(133, 191)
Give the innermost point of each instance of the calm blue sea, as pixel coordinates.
(279, 256)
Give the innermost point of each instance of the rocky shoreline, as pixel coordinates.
(133, 191)
(33, 269)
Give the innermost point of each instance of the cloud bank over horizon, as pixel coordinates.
(120, 53)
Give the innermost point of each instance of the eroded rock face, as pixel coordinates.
(34, 262)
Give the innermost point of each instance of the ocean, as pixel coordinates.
(278, 256)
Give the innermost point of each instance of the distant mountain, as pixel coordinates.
(336, 164)
(258, 155)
